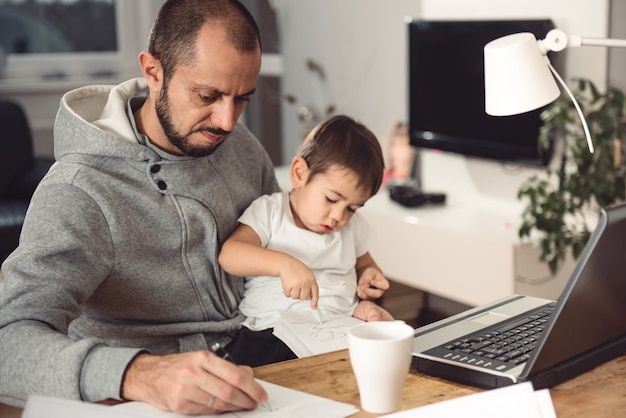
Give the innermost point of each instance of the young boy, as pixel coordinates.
(310, 243)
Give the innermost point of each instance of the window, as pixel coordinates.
(58, 39)
(45, 27)
(56, 45)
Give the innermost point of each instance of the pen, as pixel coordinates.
(219, 351)
(317, 314)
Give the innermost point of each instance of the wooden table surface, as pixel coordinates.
(600, 392)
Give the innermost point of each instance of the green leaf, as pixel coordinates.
(558, 202)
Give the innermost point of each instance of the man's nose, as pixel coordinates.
(224, 115)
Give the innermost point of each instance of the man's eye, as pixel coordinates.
(207, 98)
(243, 99)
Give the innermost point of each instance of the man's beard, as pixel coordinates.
(179, 141)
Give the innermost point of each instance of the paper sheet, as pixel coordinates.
(284, 403)
(516, 401)
(305, 336)
(47, 407)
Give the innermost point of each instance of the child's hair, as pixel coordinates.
(344, 142)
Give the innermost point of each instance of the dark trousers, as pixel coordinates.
(256, 348)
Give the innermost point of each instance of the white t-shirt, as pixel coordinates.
(330, 256)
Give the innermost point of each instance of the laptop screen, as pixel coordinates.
(591, 311)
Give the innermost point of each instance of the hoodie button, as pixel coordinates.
(161, 185)
(155, 169)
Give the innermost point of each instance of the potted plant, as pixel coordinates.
(564, 204)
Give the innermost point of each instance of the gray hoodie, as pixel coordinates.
(118, 252)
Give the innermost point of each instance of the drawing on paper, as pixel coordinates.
(304, 335)
(330, 330)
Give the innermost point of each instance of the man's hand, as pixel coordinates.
(370, 312)
(192, 383)
(372, 284)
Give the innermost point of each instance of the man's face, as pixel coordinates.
(202, 102)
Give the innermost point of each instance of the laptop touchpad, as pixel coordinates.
(488, 318)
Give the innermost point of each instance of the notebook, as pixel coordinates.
(523, 338)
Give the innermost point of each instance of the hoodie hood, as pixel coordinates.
(96, 115)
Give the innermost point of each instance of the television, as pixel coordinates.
(447, 92)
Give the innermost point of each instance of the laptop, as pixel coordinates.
(523, 338)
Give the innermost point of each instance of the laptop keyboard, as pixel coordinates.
(502, 347)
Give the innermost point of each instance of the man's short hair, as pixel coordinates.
(175, 30)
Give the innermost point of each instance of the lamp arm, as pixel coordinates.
(576, 105)
(603, 42)
(557, 40)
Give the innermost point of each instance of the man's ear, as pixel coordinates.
(299, 172)
(152, 70)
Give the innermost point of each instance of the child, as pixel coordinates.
(310, 243)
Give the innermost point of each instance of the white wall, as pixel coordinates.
(362, 46)
(617, 56)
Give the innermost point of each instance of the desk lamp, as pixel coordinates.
(519, 76)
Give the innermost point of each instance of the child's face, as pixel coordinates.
(328, 201)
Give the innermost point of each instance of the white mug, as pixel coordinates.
(380, 354)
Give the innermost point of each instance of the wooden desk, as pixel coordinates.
(600, 392)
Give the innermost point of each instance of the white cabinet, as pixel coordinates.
(467, 252)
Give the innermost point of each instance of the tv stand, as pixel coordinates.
(411, 196)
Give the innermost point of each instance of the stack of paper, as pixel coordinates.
(516, 401)
(305, 336)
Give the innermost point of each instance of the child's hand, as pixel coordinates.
(298, 281)
(369, 311)
(372, 284)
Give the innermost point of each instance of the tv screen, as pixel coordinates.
(447, 92)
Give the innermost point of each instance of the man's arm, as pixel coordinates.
(46, 281)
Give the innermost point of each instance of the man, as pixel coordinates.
(118, 254)
(115, 291)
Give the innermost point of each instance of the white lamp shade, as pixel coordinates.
(517, 76)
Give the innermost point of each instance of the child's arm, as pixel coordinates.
(372, 284)
(371, 281)
(242, 255)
